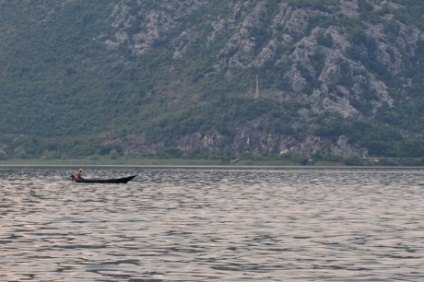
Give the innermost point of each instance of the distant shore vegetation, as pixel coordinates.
(242, 160)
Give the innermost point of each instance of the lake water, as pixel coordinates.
(211, 224)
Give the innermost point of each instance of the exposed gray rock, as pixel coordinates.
(325, 66)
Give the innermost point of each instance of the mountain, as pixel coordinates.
(215, 79)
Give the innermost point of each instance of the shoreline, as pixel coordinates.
(202, 166)
(259, 163)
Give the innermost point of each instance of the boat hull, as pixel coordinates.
(112, 180)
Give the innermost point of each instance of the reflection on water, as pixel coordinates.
(212, 224)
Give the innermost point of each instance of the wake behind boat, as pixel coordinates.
(97, 180)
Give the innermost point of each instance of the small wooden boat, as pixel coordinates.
(110, 180)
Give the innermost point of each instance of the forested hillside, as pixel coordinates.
(212, 79)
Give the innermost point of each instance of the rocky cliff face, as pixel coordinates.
(338, 57)
(321, 66)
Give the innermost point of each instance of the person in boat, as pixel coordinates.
(78, 174)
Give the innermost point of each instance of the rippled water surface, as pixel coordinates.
(175, 224)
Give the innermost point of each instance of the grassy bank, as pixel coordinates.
(117, 162)
(257, 161)
(160, 162)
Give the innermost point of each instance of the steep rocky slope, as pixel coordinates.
(325, 70)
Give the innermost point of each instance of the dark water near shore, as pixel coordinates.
(212, 225)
